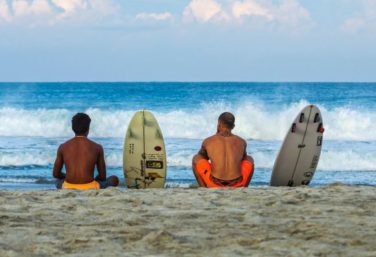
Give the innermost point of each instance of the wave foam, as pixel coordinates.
(254, 120)
(341, 160)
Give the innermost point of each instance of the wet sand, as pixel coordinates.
(335, 220)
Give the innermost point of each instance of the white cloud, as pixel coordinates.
(291, 13)
(37, 7)
(70, 6)
(47, 12)
(364, 20)
(288, 13)
(354, 24)
(165, 16)
(250, 8)
(84, 10)
(41, 7)
(204, 10)
(4, 11)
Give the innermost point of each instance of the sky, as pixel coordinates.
(187, 40)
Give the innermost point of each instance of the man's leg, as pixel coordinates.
(195, 160)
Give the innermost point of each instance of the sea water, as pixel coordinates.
(36, 117)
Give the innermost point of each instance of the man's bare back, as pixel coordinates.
(226, 153)
(222, 160)
(80, 155)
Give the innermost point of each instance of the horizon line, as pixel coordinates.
(187, 81)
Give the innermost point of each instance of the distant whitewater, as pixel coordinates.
(35, 119)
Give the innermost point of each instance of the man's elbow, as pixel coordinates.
(100, 177)
(58, 175)
(249, 158)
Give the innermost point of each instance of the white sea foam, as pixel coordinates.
(332, 160)
(254, 120)
(18, 180)
(18, 159)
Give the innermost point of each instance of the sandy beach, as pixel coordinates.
(334, 220)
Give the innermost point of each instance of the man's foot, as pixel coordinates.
(113, 181)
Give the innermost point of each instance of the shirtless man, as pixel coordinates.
(222, 160)
(80, 156)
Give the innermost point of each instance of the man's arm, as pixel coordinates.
(245, 150)
(202, 152)
(245, 155)
(59, 162)
(101, 165)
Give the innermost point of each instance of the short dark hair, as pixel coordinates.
(227, 119)
(81, 123)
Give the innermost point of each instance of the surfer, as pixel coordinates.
(222, 160)
(80, 155)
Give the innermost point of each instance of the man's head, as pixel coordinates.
(226, 120)
(81, 123)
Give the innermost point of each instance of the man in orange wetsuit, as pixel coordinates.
(80, 155)
(222, 160)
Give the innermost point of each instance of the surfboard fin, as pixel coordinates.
(317, 118)
(293, 128)
(301, 118)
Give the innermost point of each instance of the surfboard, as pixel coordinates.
(144, 153)
(299, 154)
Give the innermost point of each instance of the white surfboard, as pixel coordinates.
(300, 152)
(144, 153)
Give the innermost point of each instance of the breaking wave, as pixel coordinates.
(254, 120)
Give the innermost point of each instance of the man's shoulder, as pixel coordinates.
(95, 144)
(68, 142)
(240, 139)
(210, 139)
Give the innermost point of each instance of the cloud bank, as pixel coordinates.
(284, 12)
(364, 20)
(289, 14)
(50, 12)
(204, 11)
(165, 16)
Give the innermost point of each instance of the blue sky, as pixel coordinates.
(182, 40)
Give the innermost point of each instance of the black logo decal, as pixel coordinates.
(314, 162)
(154, 164)
(319, 140)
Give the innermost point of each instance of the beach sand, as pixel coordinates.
(334, 220)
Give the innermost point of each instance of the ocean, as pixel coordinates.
(36, 117)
